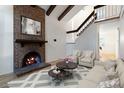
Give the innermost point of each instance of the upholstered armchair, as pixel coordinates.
(87, 59)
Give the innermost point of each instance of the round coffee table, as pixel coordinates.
(57, 76)
(67, 68)
(66, 65)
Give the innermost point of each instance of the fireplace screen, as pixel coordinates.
(31, 58)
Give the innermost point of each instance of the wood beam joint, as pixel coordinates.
(65, 12)
(50, 9)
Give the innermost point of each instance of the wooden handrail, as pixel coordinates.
(98, 6)
(86, 26)
(73, 31)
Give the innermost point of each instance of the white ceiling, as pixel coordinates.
(60, 8)
(45, 7)
(73, 12)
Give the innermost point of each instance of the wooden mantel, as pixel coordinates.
(23, 42)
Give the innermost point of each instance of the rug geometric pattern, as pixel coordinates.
(41, 79)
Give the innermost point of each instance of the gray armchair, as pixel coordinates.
(87, 59)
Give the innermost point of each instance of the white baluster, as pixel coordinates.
(114, 12)
(97, 11)
(106, 12)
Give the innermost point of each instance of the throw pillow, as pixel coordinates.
(88, 54)
(109, 65)
(120, 70)
(111, 75)
(77, 53)
(114, 83)
(120, 67)
(121, 78)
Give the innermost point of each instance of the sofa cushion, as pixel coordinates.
(121, 78)
(120, 67)
(120, 70)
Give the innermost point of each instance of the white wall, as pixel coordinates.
(121, 29)
(6, 39)
(70, 48)
(76, 21)
(88, 40)
(55, 30)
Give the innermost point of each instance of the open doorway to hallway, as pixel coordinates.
(108, 40)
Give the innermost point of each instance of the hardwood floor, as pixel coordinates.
(8, 77)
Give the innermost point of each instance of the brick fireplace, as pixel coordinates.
(29, 50)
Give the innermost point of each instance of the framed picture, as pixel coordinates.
(30, 26)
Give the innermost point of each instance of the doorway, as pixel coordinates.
(108, 41)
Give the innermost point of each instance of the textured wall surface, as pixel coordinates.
(37, 14)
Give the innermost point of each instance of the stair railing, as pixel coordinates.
(84, 25)
(100, 13)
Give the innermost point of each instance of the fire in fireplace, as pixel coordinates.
(31, 58)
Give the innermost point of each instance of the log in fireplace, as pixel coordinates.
(31, 58)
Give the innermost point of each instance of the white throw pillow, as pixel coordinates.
(88, 54)
(77, 53)
(111, 75)
(109, 65)
(121, 78)
(120, 70)
(120, 67)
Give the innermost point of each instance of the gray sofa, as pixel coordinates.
(97, 74)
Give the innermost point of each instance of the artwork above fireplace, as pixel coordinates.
(30, 26)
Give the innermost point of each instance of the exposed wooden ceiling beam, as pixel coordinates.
(50, 9)
(65, 12)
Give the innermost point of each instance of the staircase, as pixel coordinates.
(100, 13)
(108, 12)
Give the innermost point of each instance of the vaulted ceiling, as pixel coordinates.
(62, 12)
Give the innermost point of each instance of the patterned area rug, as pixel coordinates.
(41, 79)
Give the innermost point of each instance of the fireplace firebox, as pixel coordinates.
(31, 58)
